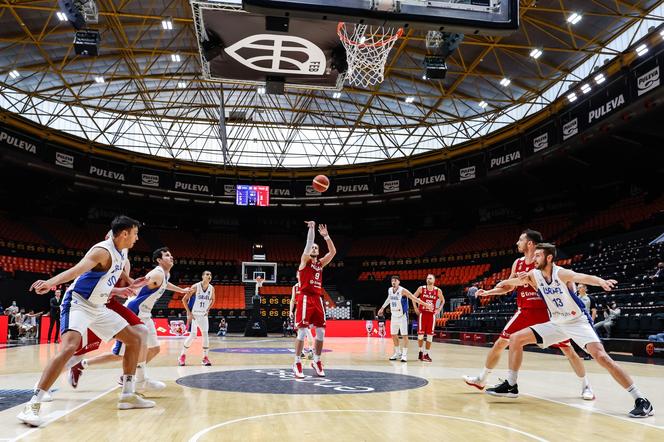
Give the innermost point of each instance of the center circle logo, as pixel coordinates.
(282, 381)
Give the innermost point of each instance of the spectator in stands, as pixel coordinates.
(2, 310)
(473, 300)
(30, 324)
(223, 327)
(54, 316)
(589, 302)
(659, 337)
(15, 322)
(659, 274)
(12, 309)
(611, 313)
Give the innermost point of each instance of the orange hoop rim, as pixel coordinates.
(345, 39)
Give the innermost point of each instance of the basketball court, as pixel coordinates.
(250, 394)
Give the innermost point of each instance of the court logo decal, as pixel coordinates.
(283, 54)
(11, 398)
(282, 381)
(259, 350)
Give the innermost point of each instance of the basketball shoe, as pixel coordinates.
(206, 361)
(426, 358)
(642, 408)
(150, 385)
(587, 394)
(474, 381)
(134, 400)
(419, 356)
(318, 368)
(181, 360)
(504, 390)
(297, 370)
(75, 374)
(395, 356)
(30, 414)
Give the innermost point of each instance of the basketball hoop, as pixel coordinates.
(259, 281)
(367, 48)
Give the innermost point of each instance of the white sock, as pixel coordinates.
(511, 377)
(128, 383)
(585, 383)
(205, 352)
(426, 352)
(316, 357)
(84, 363)
(298, 358)
(140, 372)
(404, 351)
(38, 395)
(485, 374)
(635, 392)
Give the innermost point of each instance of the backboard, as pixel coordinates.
(275, 52)
(266, 270)
(483, 17)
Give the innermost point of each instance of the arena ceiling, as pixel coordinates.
(145, 92)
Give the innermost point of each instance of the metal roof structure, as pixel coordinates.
(145, 92)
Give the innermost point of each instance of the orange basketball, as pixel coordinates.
(321, 183)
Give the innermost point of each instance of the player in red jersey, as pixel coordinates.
(427, 313)
(531, 310)
(310, 311)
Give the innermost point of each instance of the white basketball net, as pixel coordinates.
(367, 48)
(259, 281)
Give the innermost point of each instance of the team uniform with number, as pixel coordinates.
(399, 311)
(310, 310)
(531, 309)
(426, 321)
(83, 306)
(569, 317)
(141, 305)
(199, 304)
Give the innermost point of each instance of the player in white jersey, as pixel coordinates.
(83, 308)
(197, 303)
(397, 299)
(569, 320)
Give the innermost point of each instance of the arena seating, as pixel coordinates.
(11, 264)
(445, 276)
(397, 246)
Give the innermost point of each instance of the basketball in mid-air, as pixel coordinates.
(321, 183)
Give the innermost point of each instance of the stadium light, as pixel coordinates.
(599, 79)
(574, 18)
(100, 80)
(536, 53)
(505, 82)
(571, 97)
(61, 16)
(410, 99)
(182, 84)
(261, 90)
(167, 24)
(483, 104)
(585, 88)
(642, 50)
(336, 95)
(176, 57)
(14, 74)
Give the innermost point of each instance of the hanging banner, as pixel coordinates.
(392, 182)
(192, 183)
(468, 169)
(430, 176)
(646, 77)
(350, 186)
(607, 101)
(108, 170)
(540, 138)
(280, 189)
(505, 156)
(24, 143)
(150, 178)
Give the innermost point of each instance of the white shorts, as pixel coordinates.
(79, 315)
(578, 330)
(119, 347)
(202, 322)
(399, 325)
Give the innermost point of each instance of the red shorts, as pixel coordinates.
(93, 340)
(309, 311)
(426, 323)
(524, 318)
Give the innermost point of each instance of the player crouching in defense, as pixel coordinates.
(569, 320)
(310, 310)
(397, 299)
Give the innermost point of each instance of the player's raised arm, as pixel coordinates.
(503, 289)
(97, 256)
(412, 297)
(311, 235)
(567, 275)
(331, 250)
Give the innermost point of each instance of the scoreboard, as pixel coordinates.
(274, 306)
(250, 195)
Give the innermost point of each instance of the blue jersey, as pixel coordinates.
(143, 302)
